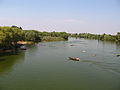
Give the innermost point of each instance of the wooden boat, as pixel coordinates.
(74, 59)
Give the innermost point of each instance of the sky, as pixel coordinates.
(74, 16)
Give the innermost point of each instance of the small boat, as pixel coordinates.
(23, 48)
(74, 59)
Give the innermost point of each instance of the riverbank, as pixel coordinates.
(102, 37)
(14, 37)
(24, 42)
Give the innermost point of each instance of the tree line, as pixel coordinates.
(9, 36)
(103, 37)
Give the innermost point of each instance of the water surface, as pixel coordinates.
(45, 66)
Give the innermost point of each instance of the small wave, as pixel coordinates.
(111, 67)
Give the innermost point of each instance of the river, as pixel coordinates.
(45, 66)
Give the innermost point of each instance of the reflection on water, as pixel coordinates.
(8, 61)
(45, 66)
(118, 46)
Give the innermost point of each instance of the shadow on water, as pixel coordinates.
(118, 46)
(8, 60)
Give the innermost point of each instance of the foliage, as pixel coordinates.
(55, 34)
(49, 38)
(118, 36)
(9, 36)
(104, 37)
(32, 35)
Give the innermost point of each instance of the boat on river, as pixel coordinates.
(74, 59)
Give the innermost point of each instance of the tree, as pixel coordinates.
(118, 36)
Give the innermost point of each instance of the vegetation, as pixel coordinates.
(9, 36)
(63, 35)
(103, 37)
(49, 38)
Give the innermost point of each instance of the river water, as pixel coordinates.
(45, 66)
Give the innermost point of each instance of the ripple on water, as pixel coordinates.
(107, 66)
